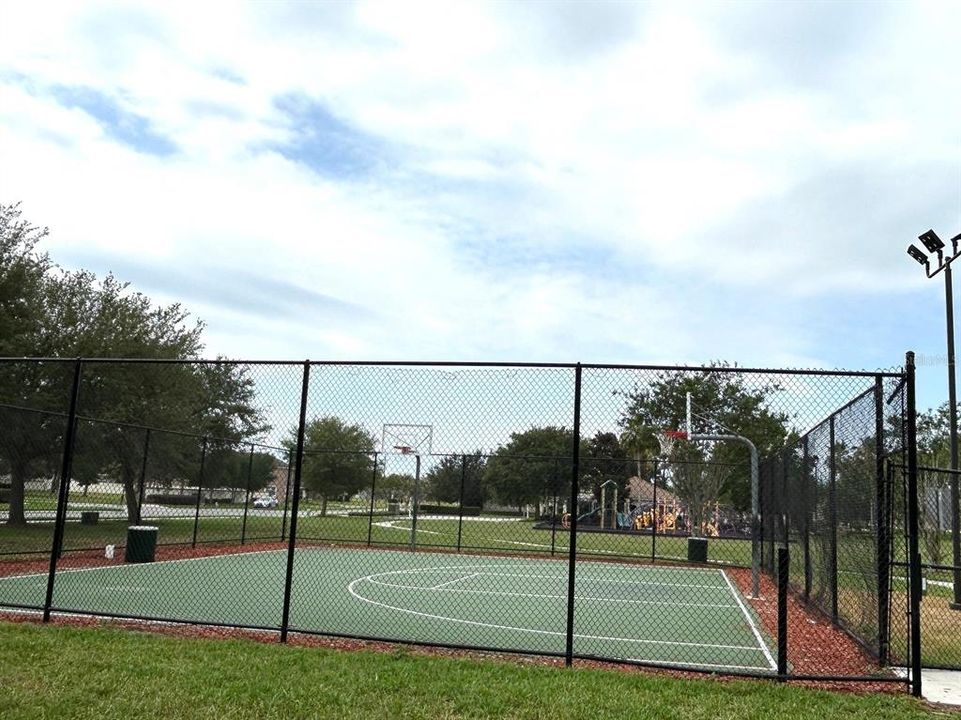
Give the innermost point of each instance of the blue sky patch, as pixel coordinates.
(119, 124)
(325, 143)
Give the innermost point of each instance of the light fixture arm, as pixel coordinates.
(942, 262)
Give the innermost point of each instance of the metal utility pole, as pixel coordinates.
(934, 245)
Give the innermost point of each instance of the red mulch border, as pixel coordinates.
(815, 645)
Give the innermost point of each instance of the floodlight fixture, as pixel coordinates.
(931, 241)
(917, 254)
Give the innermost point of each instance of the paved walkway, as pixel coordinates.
(940, 686)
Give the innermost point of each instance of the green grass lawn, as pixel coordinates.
(65, 672)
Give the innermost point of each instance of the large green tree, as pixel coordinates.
(444, 479)
(338, 457)
(45, 311)
(605, 460)
(718, 393)
(530, 468)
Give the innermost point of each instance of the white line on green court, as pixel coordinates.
(750, 621)
(539, 596)
(495, 626)
(158, 563)
(451, 582)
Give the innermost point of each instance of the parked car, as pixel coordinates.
(265, 501)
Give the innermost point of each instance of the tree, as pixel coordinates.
(444, 479)
(26, 390)
(396, 486)
(934, 437)
(530, 467)
(604, 460)
(697, 480)
(338, 457)
(725, 397)
(23, 281)
(45, 311)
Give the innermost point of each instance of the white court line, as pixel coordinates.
(750, 621)
(504, 593)
(451, 582)
(580, 577)
(136, 565)
(351, 589)
(606, 580)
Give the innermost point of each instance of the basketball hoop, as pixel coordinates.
(667, 438)
(404, 449)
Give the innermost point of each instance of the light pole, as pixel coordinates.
(933, 244)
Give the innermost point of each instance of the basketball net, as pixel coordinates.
(667, 438)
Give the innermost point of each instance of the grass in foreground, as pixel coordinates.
(65, 672)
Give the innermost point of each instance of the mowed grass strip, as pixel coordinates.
(68, 672)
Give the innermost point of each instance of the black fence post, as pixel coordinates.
(283, 521)
(913, 548)
(415, 503)
(758, 521)
(298, 467)
(460, 504)
(783, 510)
(770, 519)
(783, 576)
(66, 469)
(805, 518)
(250, 469)
(143, 476)
(373, 492)
(65, 488)
(554, 512)
(200, 489)
(883, 547)
(572, 552)
(833, 519)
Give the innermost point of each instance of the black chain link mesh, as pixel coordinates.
(439, 504)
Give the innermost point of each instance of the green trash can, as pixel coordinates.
(141, 544)
(697, 550)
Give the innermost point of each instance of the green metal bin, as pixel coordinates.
(141, 544)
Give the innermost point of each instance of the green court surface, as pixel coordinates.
(668, 615)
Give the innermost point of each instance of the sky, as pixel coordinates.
(544, 181)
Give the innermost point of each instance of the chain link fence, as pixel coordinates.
(513, 508)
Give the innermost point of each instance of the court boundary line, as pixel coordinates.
(451, 582)
(156, 563)
(541, 596)
(750, 621)
(351, 588)
(762, 646)
(119, 619)
(560, 548)
(658, 569)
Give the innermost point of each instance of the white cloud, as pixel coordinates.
(557, 186)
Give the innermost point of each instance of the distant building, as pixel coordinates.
(642, 493)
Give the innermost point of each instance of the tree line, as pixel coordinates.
(48, 311)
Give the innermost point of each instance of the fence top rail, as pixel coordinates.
(465, 363)
(151, 428)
